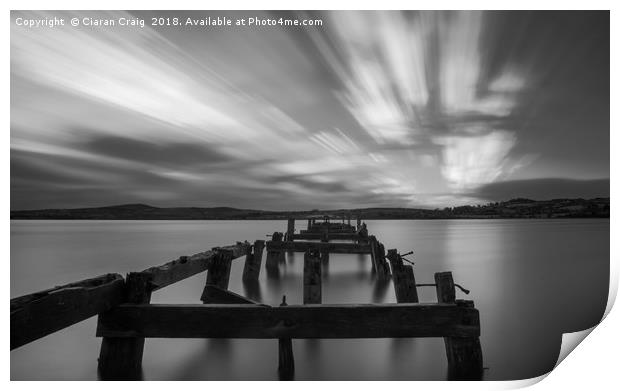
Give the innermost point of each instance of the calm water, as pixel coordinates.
(530, 279)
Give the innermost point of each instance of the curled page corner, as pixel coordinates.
(570, 342)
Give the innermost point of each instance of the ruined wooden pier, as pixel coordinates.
(126, 317)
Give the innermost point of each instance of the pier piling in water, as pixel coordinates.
(253, 260)
(312, 277)
(275, 256)
(464, 353)
(290, 230)
(121, 358)
(219, 272)
(286, 360)
(404, 279)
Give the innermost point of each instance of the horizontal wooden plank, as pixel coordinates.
(39, 314)
(334, 248)
(294, 321)
(331, 236)
(187, 266)
(316, 229)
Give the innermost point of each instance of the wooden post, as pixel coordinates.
(274, 257)
(286, 361)
(219, 271)
(290, 230)
(464, 353)
(359, 223)
(380, 265)
(404, 280)
(312, 277)
(309, 224)
(253, 260)
(444, 285)
(121, 358)
(349, 220)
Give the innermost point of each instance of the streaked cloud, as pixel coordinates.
(373, 108)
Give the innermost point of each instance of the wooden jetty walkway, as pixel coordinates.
(126, 317)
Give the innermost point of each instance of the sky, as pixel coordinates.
(369, 109)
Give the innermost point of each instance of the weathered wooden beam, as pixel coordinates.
(121, 358)
(337, 248)
(36, 315)
(294, 321)
(312, 277)
(322, 228)
(464, 353)
(186, 266)
(253, 260)
(215, 295)
(404, 279)
(331, 236)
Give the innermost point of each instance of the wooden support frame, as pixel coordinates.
(121, 358)
(36, 315)
(125, 326)
(294, 321)
(464, 353)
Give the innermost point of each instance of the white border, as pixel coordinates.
(593, 364)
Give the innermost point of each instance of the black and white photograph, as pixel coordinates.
(307, 195)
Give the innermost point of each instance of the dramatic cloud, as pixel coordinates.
(369, 109)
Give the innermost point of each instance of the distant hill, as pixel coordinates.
(515, 208)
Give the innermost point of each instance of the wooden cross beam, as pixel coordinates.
(335, 248)
(294, 321)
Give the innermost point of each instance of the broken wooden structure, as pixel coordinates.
(126, 316)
